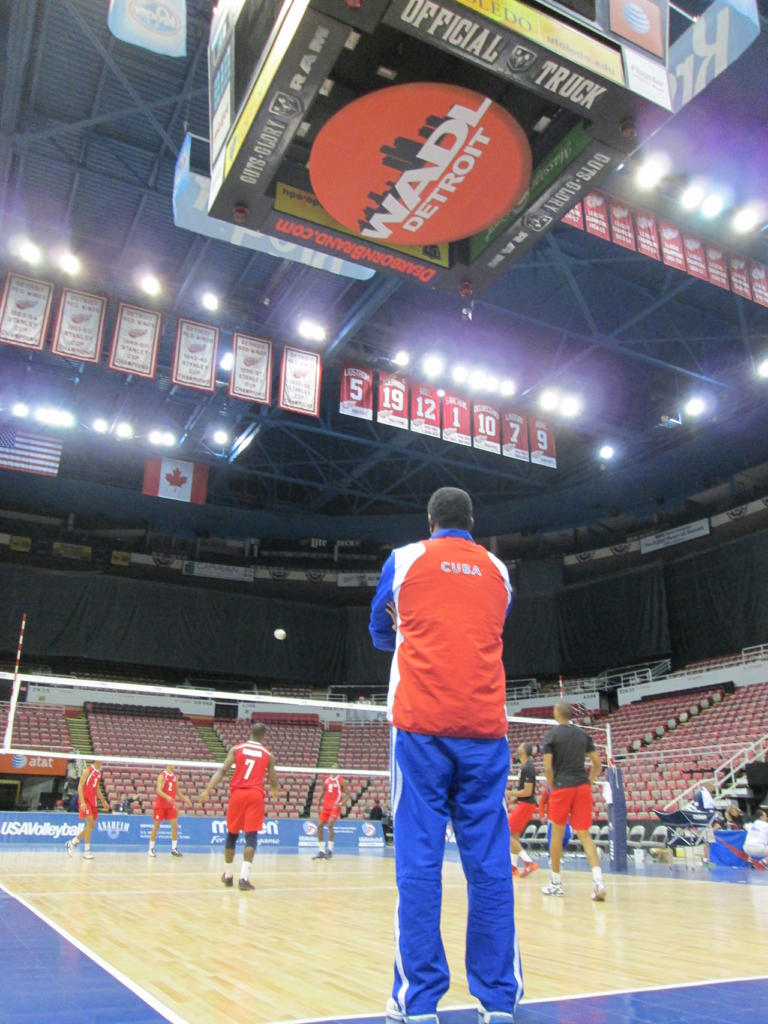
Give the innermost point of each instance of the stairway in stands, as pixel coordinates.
(329, 749)
(212, 741)
(80, 736)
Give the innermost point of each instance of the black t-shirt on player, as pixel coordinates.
(527, 774)
(568, 745)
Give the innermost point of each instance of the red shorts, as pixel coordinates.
(245, 811)
(519, 817)
(88, 811)
(164, 811)
(329, 814)
(574, 802)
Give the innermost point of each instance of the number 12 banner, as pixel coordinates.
(425, 410)
(356, 397)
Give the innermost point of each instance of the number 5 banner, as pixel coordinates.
(356, 391)
(543, 444)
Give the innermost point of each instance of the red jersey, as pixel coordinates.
(170, 784)
(251, 764)
(332, 791)
(91, 785)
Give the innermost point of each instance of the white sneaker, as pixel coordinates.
(395, 1014)
(151, 853)
(70, 847)
(494, 1016)
(87, 855)
(553, 889)
(598, 892)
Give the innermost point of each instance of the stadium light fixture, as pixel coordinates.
(20, 409)
(692, 196)
(747, 218)
(459, 374)
(150, 284)
(54, 417)
(401, 358)
(606, 452)
(549, 400)
(570, 406)
(29, 252)
(210, 301)
(695, 406)
(653, 170)
(220, 437)
(508, 387)
(100, 425)
(311, 330)
(762, 368)
(227, 361)
(124, 430)
(712, 206)
(433, 365)
(70, 263)
(162, 438)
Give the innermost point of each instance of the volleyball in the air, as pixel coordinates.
(280, 634)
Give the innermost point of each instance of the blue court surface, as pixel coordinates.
(49, 978)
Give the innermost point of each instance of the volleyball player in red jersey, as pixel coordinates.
(88, 799)
(167, 792)
(253, 763)
(335, 790)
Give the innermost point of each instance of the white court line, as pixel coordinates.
(137, 990)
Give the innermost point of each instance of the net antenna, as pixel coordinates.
(14, 687)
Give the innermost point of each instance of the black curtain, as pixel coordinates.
(616, 620)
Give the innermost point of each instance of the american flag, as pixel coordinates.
(30, 453)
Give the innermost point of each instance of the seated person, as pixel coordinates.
(756, 842)
(733, 818)
(705, 798)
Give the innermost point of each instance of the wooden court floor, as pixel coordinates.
(315, 938)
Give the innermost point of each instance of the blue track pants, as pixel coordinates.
(436, 780)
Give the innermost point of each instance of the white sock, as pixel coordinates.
(330, 845)
(556, 878)
(151, 846)
(597, 874)
(513, 857)
(245, 869)
(87, 846)
(174, 843)
(526, 857)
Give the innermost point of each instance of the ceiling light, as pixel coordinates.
(441, 392)
(459, 374)
(695, 406)
(712, 206)
(227, 361)
(747, 218)
(150, 284)
(124, 430)
(210, 301)
(54, 417)
(69, 263)
(310, 330)
(402, 358)
(492, 383)
(762, 369)
(549, 399)
(477, 379)
(30, 252)
(20, 409)
(162, 437)
(606, 452)
(433, 365)
(692, 196)
(570, 405)
(508, 387)
(100, 425)
(220, 437)
(651, 171)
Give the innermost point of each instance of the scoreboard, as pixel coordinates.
(528, 106)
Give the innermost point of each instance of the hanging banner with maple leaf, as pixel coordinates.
(175, 479)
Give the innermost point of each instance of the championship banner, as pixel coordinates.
(175, 479)
(135, 341)
(251, 376)
(739, 277)
(25, 308)
(425, 410)
(647, 234)
(514, 436)
(671, 245)
(543, 444)
(759, 278)
(717, 270)
(79, 329)
(194, 355)
(596, 216)
(356, 391)
(575, 217)
(695, 258)
(621, 225)
(392, 407)
(456, 420)
(300, 374)
(486, 430)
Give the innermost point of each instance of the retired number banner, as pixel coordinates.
(79, 329)
(194, 355)
(486, 433)
(543, 444)
(456, 420)
(393, 401)
(514, 437)
(300, 374)
(135, 341)
(251, 376)
(356, 391)
(425, 410)
(25, 309)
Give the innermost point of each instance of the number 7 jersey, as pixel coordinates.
(251, 764)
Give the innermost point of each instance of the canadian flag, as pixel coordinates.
(172, 478)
